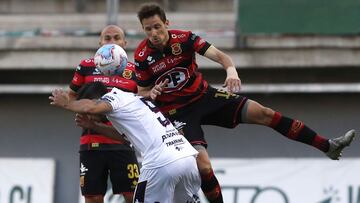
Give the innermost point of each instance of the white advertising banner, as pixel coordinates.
(274, 180)
(26, 180)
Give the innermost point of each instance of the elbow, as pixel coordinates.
(88, 110)
(92, 111)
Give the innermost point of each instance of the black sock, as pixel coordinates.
(298, 131)
(211, 188)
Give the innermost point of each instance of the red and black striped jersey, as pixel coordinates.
(86, 72)
(177, 63)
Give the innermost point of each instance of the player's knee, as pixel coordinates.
(264, 115)
(94, 199)
(268, 114)
(128, 197)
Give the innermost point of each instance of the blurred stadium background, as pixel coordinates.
(300, 57)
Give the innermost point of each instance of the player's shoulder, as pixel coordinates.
(88, 62)
(141, 50)
(86, 65)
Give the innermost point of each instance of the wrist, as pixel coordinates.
(231, 71)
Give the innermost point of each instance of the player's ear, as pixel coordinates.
(167, 23)
(125, 44)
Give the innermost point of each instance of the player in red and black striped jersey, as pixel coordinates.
(101, 156)
(167, 72)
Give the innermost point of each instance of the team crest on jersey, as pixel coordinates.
(176, 49)
(127, 74)
(177, 77)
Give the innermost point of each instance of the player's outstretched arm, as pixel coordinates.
(232, 81)
(61, 99)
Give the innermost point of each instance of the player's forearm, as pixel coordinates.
(72, 95)
(108, 131)
(144, 91)
(84, 106)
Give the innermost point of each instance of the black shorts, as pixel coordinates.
(216, 107)
(96, 166)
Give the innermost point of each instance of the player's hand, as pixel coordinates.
(232, 81)
(59, 98)
(84, 121)
(157, 89)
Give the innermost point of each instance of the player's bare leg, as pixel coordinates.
(94, 199)
(128, 197)
(209, 183)
(296, 130)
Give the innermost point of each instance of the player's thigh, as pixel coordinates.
(225, 109)
(93, 173)
(189, 185)
(124, 170)
(203, 160)
(188, 123)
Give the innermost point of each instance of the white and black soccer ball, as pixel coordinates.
(110, 59)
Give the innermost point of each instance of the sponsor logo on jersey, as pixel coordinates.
(177, 77)
(150, 60)
(89, 60)
(174, 36)
(178, 124)
(127, 74)
(158, 67)
(176, 49)
(173, 60)
(75, 78)
(102, 79)
(142, 52)
(170, 134)
(138, 75)
(175, 142)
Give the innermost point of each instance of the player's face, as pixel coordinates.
(113, 35)
(156, 30)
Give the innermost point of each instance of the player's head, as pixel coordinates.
(92, 90)
(113, 34)
(154, 23)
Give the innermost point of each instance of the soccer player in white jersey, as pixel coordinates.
(169, 172)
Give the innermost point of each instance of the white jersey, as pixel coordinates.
(147, 129)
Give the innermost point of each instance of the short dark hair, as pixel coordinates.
(92, 90)
(148, 10)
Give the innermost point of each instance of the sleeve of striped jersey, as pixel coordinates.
(143, 78)
(77, 80)
(199, 44)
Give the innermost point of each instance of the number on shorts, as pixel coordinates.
(133, 171)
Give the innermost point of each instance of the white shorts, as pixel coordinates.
(177, 182)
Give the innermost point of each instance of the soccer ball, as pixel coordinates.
(110, 59)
